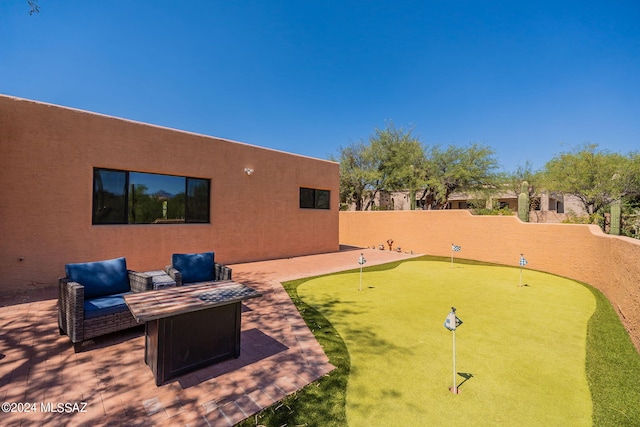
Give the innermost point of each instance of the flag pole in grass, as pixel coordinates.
(361, 261)
(523, 262)
(451, 323)
(454, 248)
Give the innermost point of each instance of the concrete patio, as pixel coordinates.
(109, 384)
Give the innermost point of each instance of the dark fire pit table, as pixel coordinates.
(190, 327)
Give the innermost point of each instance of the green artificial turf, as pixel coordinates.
(552, 352)
(613, 368)
(522, 348)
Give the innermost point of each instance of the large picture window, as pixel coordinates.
(311, 198)
(123, 197)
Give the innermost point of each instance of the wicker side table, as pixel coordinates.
(160, 279)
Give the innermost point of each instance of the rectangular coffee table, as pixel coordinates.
(190, 327)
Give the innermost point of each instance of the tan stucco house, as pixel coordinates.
(548, 207)
(78, 186)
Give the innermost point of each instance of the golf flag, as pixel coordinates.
(361, 260)
(454, 248)
(452, 321)
(523, 261)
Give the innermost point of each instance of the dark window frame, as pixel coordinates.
(192, 215)
(314, 198)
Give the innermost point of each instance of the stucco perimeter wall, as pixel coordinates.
(47, 158)
(580, 252)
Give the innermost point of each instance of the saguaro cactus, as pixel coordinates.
(523, 202)
(616, 208)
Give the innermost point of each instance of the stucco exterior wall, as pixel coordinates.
(46, 179)
(580, 252)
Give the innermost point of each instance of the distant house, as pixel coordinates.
(549, 207)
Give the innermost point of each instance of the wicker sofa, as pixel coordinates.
(90, 299)
(187, 269)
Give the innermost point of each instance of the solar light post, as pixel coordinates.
(361, 261)
(451, 323)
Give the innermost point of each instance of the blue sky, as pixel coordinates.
(528, 78)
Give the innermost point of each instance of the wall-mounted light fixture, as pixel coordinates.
(248, 171)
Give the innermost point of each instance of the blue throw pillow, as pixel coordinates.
(194, 267)
(100, 278)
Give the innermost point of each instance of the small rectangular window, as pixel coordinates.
(535, 204)
(311, 198)
(322, 199)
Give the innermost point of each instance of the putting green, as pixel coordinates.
(520, 353)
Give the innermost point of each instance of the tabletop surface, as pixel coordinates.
(168, 302)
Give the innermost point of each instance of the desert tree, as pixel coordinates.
(390, 159)
(457, 168)
(400, 160)
(358, 174)
(595, 177)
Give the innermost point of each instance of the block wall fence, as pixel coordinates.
(581, 252)
(47, 157)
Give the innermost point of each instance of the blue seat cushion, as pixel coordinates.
(100, 278)
(104, 306)
(194, 267)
